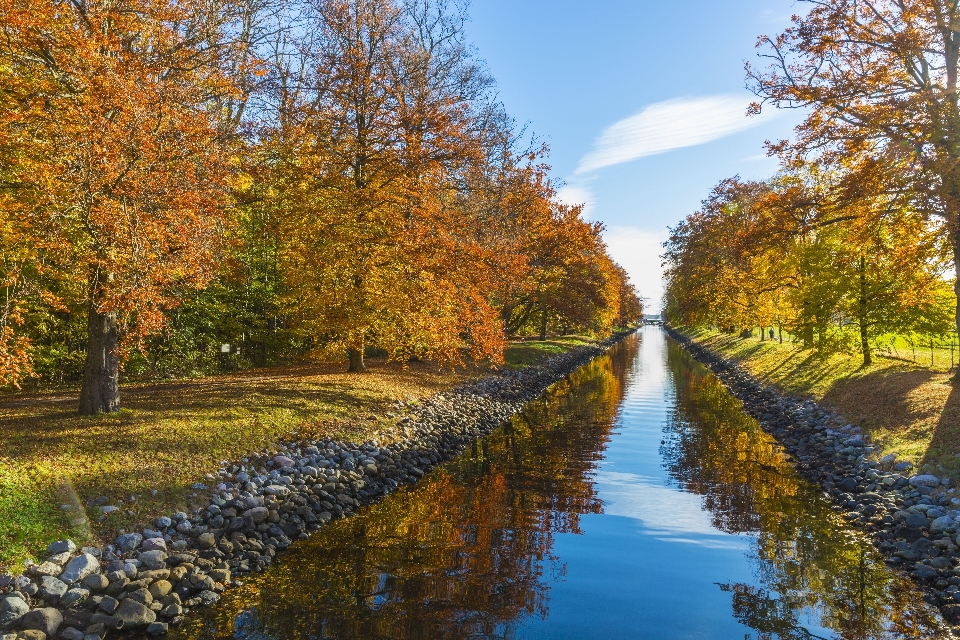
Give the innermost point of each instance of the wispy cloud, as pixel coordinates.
(672, 124)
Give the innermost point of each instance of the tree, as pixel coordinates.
(877, 77)
(115, 171)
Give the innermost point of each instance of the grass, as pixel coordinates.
(907, 408)
(145, 457)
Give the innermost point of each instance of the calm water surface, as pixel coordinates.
(634, 501)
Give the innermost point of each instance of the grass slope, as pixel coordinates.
(907, 409)
(146, 457)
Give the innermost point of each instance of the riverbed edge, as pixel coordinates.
(147, 581)
(853, 481)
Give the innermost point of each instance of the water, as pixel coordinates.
(635, 500)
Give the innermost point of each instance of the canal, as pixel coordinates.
(634, 500)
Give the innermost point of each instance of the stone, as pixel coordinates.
(888, 459)
(208, 597)
(59, 558)
(32, 634)
(154, 544)
(925, 480)
(157, 629)
(923, 572)
(47, 620)
(160, 589)
(283, 461)
(206, 540)
(140, 595)
(153, 560)
(61, 546)
(129, 541)
(73, 596)
(52, 588)
(94, 551)
(96, 582)
(108, 510)
(942, 524)
(134, 614)
(917, 521)
(47, 569)
(79, 568)
(164, 522)
(220, 575)
(257, 514)
(108, 605)
(903, 466)
(71, 633)
(848, 485)
(276, 490)
(12, 608)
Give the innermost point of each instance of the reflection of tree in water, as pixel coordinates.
(462, 555)
(807, 565)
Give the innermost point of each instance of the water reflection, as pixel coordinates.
(808, 568)
(543, 509)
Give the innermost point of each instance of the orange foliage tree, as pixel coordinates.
(113, 167)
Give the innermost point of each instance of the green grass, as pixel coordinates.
(907, 408)
(531, 351)
(145, 457)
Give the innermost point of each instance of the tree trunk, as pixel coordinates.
(864, 323)
(356, 361)
(100, 392)
(543, 325)
(956, 284)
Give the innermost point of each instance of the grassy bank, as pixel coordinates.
(145, 458)
(907, 408)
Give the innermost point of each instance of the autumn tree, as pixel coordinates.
(876, 77)
(114, 167)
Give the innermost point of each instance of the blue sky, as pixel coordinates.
(641, 103)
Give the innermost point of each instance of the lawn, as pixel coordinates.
(907, 408)
(145, 457)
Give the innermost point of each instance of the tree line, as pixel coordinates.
(858, 233)
(293, 177)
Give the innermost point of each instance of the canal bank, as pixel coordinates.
(912, 520)
(147, 581)
(635, 499)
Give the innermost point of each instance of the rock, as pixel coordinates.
(888, 459)
(848, 485)
(73, 596)
(157, 629)
(129, 541)
(903, 466)
(257, 514)
(951, 613)
(96, 582)
(925, 480)
(61, 546)
(79, 568)
(108, 605)
(47, 569)
(917, 521)
(12, 608)
(276, 490)
(59, 558)
(942, 524)
(164, 522)
(153, 560)
(160, 589)
(154, 544)
(206, 540)
(47, 620)
(94, 551)
(52, 588)
(134, 614)
(140, 595)
(32, 634)
(208, 597)
(220, 575)
(71, 633)
(923, 572)
(108, 510)
(283, 461)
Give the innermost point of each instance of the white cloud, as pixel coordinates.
(638, 251)
(574, 194)
(672, 124)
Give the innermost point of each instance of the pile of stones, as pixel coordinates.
(147, 581)
(913, 519)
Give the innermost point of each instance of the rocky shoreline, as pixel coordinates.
(147, 581)
(913, 519)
